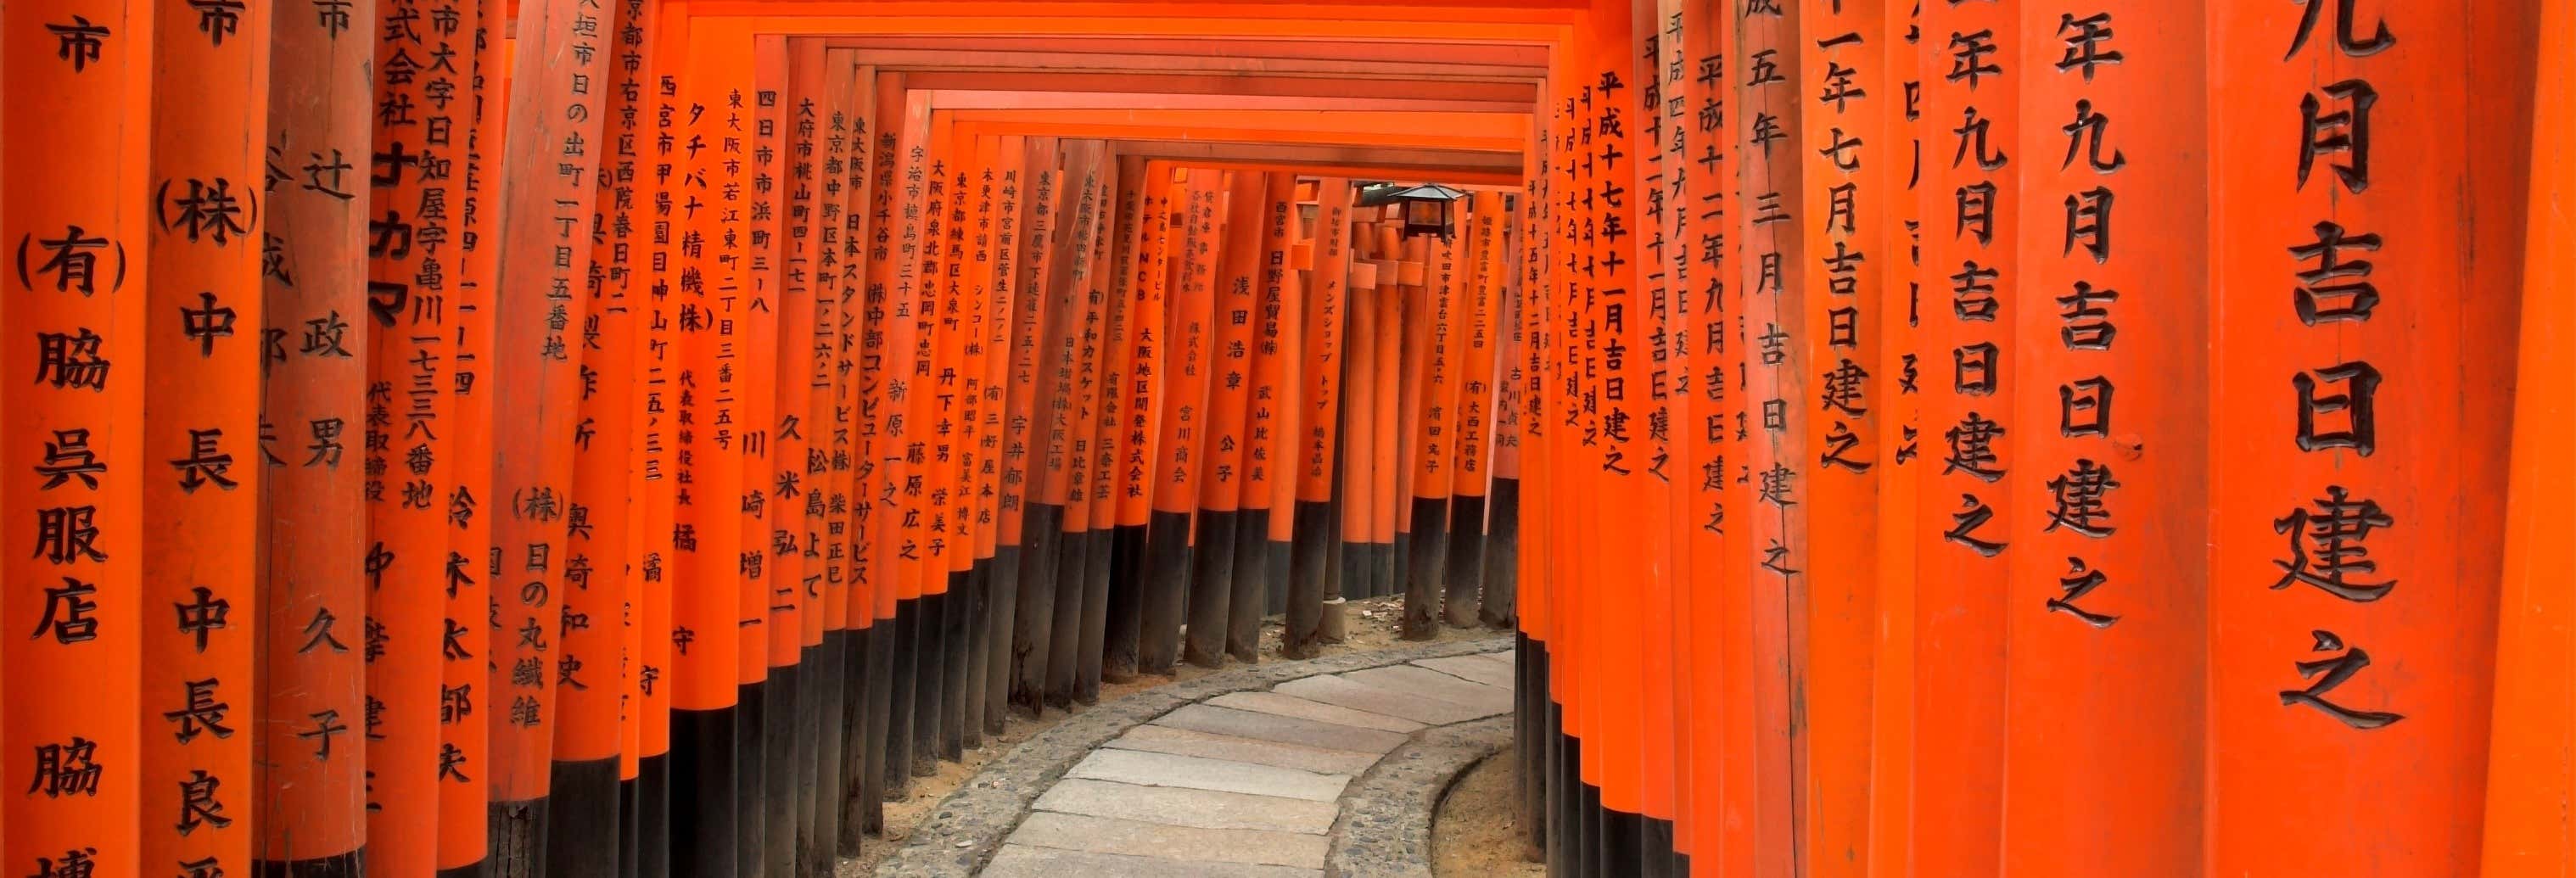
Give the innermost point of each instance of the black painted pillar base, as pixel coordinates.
(779, 762)
(1094, 617)
(930, 658)
(1033, 631)
(348, 865)
(1424, 550)
(1382, 569)
(1072, 560)
(1211, 587)
(581, 832)
(650, 817)
(954, 644)
(518, 838)
(1248, 595)
(902, 667)
(751, 777)
(1353, 568)
(1167, 582)
(1004, 598)
(1124, 616)
(1465, 577)
(703, 807)
(1529, 742)
(819, 820)
(1501, 602)
(979, 650)
(1310, 558)
(1655, 855)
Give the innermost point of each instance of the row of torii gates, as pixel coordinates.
(634, 437)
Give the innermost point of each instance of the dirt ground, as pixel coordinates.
(1477, 830)
(1373, 625)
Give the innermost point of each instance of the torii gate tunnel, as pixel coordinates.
(1952, 438)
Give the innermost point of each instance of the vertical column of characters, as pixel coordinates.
(987, 340)
(1078, 392)
(1579, 458)
(1661, 172)
(409, 403)
(1708, 406)
(855, 366)
(1246, 601)
(1035, 365)
(1897, 126)
(1280, 400)
(1127, 421)
(706, 532)
(745, 371)
(550, 158)
(1560, 393)
(1771, 95)
(770, 556)
(1008, 304)
(592, 669)
(1488, 261)
(896, 530)
(464, 737)
(952, 547)
(1843, 170)
(932, 452)
(1112, 278)
(810, 148)
(653, 565)
(1963, 528)
(2350, 599)
(2533, 637)
(1428, 472)
(311, 808)
(1317, 425)
(1627, 494)
(1184, 407)
(200, 418)
(1221, 459)
(623, 314)
(2105, 597)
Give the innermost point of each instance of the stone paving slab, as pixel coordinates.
(1474, 669)
(1184, 742)
(1179, 807)
(1346, 692)
(1427, 683)
(1290, 705)
(1019, 861)
(1104, 835)
(1285, 730)
(1191, 772)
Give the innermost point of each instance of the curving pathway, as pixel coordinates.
(1249, 783)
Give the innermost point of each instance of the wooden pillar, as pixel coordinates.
(813, 142)
(1229, 389)
(1965, 522)
(922, 548)
(1358, 571)
(1427, 480)
(2527, 763)
(772, 560)
(1113, 278)
(1042, 524)
(1278, 400)
(2106, 592)
(311, 808)
(654, 404)
(1326, 314)
(537, 343)
(1018, 313)
(409, 403)
(1483, 264)
(200, 414)
(1176, 473)
(1903, 372)
(2364, 255)
(1086, 185)
(465, 734)
(1246, 600)
(988, 313)
(1138, 410)
(1832, 339)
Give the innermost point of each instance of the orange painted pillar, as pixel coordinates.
(706, 593)
(1833, 336)
(1317, 432)
(987, 312)
(929, 473)
(1964, 522)
(1128, 425)
(744, 323)
(1358, 570)
(1014, 348)
(200, 414)
(1901, 368)
(409, 407)
(1052, 208)
(1266, 365)
(869, 169)
(1088, 185)
(1278, 400)
(1113, 253)
(464, 734)
(954, 377)
(2528, 764)
(2363, 260)
(1436, 366)
(1177, 456)
(896, 533)
(1386, 425)
(1486, 263)
(772, 373)
(2106, 593)
(811, 159)
(1212, 570)
(310, 810)
(654, 401)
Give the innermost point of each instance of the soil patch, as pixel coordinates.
(1477, 831)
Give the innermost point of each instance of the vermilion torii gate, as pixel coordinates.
(639, 437)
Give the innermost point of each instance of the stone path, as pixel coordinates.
(1244, 784)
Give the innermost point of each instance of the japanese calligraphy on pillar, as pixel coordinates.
(464, 735)
(200, 418)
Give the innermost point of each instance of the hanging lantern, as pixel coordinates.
(1426, 208)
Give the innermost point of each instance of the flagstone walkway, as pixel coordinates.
(1245, 784)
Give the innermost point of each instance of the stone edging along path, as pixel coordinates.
(969, 826)
(1384, 830)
